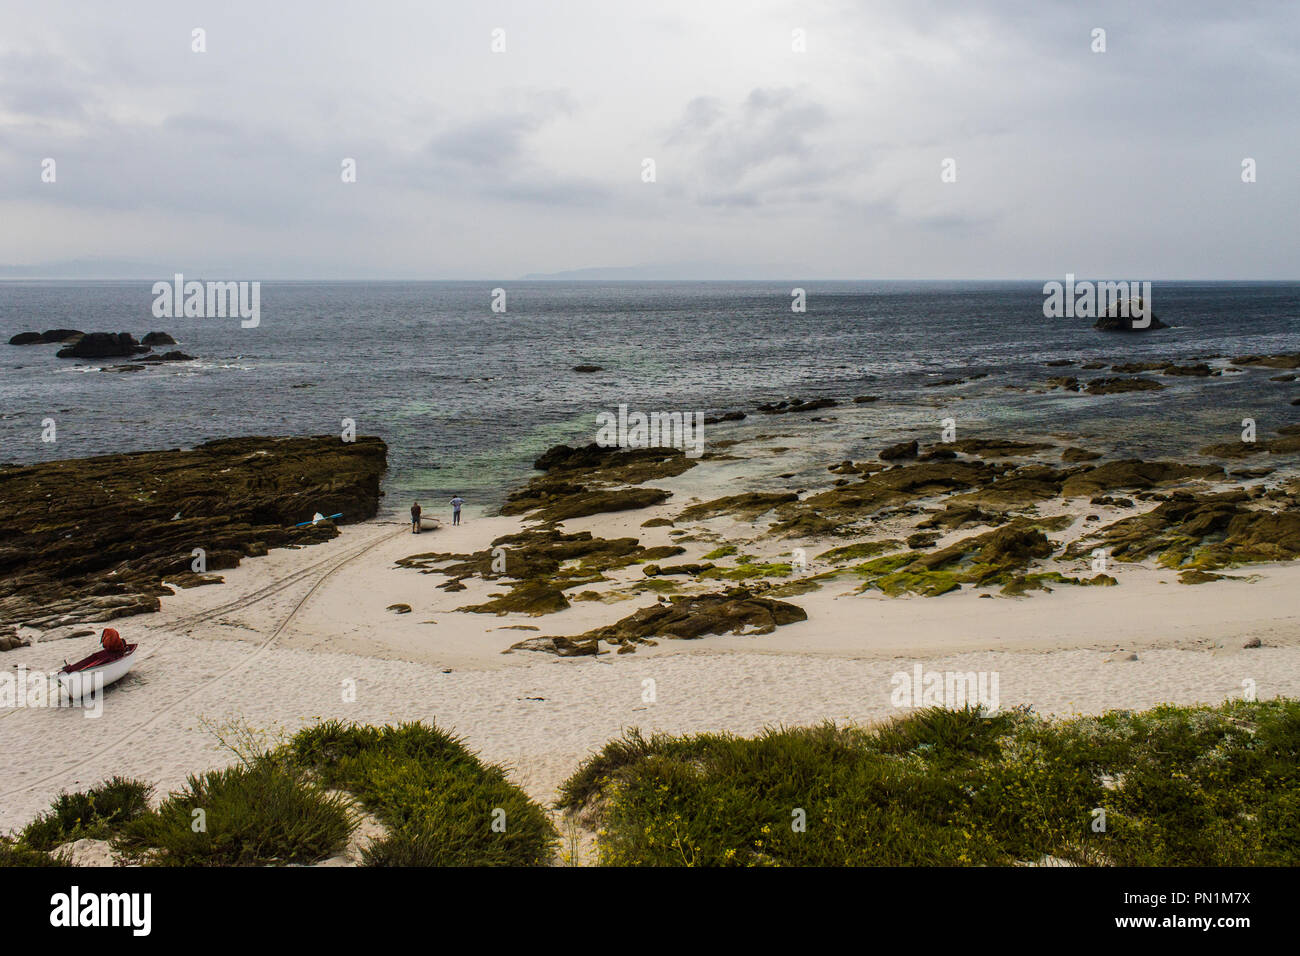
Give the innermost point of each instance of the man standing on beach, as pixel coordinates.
(455, 509)
(415, 518)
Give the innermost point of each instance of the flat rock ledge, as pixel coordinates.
(94, 539)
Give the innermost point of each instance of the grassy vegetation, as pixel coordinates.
(262, 811)
(18, 854)
(97, 813)
(442, 806)
(1179, 786)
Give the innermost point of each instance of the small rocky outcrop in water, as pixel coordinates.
(1282, 360)
(157, 338)
(724, 417)
(94, 538)
(103, 345)
(1116, 321)
(796, 405)
(175, 355)
(44, 338)
(904, 449)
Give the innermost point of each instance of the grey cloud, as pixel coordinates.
(754, 151)
(835, 151)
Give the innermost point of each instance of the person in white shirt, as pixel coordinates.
(455, 509)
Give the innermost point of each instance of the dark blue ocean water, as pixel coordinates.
(466, 397)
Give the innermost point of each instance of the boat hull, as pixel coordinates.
(88, 676)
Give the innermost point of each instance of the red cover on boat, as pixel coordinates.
(97, 659)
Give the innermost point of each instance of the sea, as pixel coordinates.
(467, 395)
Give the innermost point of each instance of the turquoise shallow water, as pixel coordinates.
(466, 398)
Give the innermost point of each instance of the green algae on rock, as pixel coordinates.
(579, 482)
(750, 505)
(537, 565)
(1204, 533)
(994, 557)
(736, 611)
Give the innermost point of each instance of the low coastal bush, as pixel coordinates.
(1179, 786)
(263, 811)
(18, 854)
(441, 804)
(96, 813)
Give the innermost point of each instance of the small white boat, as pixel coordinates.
(92, 674)
(429, 524)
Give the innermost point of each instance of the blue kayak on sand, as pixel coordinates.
(319, 518)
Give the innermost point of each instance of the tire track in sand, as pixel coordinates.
(129, 734)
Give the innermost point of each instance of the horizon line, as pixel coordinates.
(577, 279)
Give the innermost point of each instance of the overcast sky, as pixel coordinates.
(770, 163)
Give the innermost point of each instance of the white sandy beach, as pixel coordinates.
(278, 645)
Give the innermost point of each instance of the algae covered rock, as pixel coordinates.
(600, 502)
(1074, 455)
(1111, 386)
(1205, 533)
(995, 557)
(905, 449)
(93, 539)
(541, 553)
(833, 511)
(537, 565)
(529, 597)
(736, 611)
(584, 481)
(1282, 360)
(749, 505)
(997, 447)
(1133, 473)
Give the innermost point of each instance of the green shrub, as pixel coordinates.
(17, 854)
(1178, 785)
(96, 813)
(262, 812)
(437, 799)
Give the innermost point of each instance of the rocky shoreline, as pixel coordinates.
(1006, 517)
(1003, 516)
(89, 540)
(999, 503)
